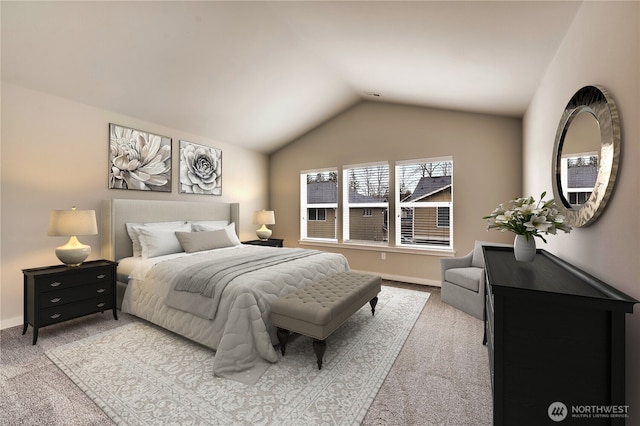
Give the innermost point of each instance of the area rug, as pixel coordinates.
(140, 374)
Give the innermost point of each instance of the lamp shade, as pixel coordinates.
(264, 217)
(67, 223)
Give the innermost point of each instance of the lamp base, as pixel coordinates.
(263, 233)
(73, 253)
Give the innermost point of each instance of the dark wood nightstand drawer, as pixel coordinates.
(72, 310)
(69, 295)
(52, 282)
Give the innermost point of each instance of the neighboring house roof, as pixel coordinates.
(428, 186)
(327, 192)
(356, 197)
(582, 176)
(322, 192)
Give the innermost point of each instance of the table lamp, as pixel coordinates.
(264, 217)
(69, 223)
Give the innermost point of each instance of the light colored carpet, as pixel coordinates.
(441, 377)
(141, 374)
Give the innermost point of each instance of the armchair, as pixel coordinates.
(463, 280)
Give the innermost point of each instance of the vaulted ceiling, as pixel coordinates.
(260, 74)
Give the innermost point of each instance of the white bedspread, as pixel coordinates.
(241, 333)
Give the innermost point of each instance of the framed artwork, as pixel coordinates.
(200, 169)
(139, 160)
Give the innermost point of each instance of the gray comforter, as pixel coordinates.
(241, 332)
(209, 280)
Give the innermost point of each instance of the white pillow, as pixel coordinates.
(133, 229)
(206, 240)
(231, 233)
(157, 241)
(207, 225)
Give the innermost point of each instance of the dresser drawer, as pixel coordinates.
(61, 281)
(72, 310)
(491, 365)
(490, 324)
(490, 313)
(74, 294)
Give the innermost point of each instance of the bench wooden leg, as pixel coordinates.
(283, 336)
(373, 302)
(319, 346)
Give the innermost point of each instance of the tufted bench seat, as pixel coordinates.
(319, 309)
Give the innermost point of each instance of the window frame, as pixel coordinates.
(347, 206)
(304, 205)
(402, 207)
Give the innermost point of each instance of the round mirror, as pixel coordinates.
(586, 155)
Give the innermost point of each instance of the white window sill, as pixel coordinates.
(430, 251)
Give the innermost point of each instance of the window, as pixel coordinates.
(317, 214)
(443, 217)
(422, 207)
(579, 173)
(318, 204)
(366, 203)
(424, 203)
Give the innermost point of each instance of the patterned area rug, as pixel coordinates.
(141, 374)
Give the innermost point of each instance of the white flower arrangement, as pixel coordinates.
(527, 217)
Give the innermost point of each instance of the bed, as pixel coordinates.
(239, 330)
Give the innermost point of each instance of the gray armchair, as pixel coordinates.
(463, 280)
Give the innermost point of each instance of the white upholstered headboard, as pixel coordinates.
(116, 243)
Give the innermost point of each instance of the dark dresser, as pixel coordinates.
(59, 293)
(556, 342)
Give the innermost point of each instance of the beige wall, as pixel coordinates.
(55, 155)
(486, 152)
(602, 47)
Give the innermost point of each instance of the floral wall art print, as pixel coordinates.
(200, 169)
(139, 160)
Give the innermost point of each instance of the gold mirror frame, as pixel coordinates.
(597, 101)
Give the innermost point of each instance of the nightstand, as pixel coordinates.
(271, 242)
(54, 294)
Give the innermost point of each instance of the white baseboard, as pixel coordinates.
(405, 279)
(11, 322)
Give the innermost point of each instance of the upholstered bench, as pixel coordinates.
(319, 309)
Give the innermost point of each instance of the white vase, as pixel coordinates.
(524, 250)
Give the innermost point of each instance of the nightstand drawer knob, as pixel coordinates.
(101, 276)
(101, 290)
(54, 316)
(100, 305)
(56, 300)
(55, 284)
